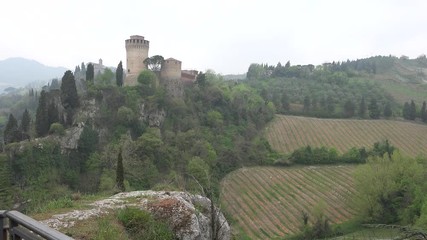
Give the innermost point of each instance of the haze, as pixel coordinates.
(224, 35)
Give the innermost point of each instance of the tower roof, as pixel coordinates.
(172, 59)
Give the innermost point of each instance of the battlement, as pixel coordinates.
(136, 41)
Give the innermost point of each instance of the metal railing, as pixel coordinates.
(16, 225)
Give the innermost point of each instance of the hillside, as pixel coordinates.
(18, 72)
(287, 133)
(267, 202)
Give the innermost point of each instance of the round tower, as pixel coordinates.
(171, 69)
(136, 52)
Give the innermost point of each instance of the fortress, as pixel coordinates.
(170, 73)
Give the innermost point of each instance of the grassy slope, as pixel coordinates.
(266, 202)
(287, 133)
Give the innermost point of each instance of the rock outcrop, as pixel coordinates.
(189, 216)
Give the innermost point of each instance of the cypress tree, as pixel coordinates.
(52, 114)
(387, 110)
(424, 112)
(90, 72)
(42, 123)
(11, 132)
(374, 111)
(406, 110)
(120, 173)
(25, 125)
(362, 108)
(119, 74)
(412, 111)
(69, 97)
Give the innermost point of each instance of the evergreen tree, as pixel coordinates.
(5, 183)
(387, 110)
(42, 123)
(90, 72)
(83, 68)
(11, 132)
(25, 125)
(330, 105)
(120, 173)
(285, 102)
(119, 74)
(52, 114)
(412, 111)
(69, 97)
(349, 109)
(362, 108)
(424, 112)
(374, 111)
(306, 104)
(406, 111)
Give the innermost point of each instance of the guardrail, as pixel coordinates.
(16, 225)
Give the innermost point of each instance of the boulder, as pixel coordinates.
(188, 215)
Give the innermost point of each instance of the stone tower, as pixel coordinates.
(171, 69)
(136, 52)
(170, 77)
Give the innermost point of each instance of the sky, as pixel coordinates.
(223, 35)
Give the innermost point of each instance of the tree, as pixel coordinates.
(307, 104)
(25, 125)
(69, 97)
(119, 74)
(285, 102)
(423, 112)
(330, 105)
(387, 189)
(387, 110)
(374, 111)
(120, 179)
(42, 122)
(406, 110)
(201, 79)
(90, 72)
(349, 109)
(11, 132)
(288, 64)
(362, 108)
(154, 63)
(52, 114)
(148, 80)
(412, 111)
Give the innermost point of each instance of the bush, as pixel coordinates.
(56, 128)
(141, 225)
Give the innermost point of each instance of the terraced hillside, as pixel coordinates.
(288, 133)
(267, 202)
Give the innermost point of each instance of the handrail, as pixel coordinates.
(22, 226)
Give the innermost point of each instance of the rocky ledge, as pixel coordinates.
(189, 216)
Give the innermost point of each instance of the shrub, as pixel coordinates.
(141, 225)
(56, 128)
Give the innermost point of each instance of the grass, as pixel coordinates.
(266, 202)
(287, 133)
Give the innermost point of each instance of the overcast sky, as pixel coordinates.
(223, 35)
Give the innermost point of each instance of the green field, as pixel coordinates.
(287, 133)
(267, 202)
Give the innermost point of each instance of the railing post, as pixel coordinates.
(3, 226)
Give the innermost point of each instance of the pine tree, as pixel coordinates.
(374, 111)
(25, 125)
(90, 72)
(349, 109)
(362, 108)
(69, 97)
(412, 111)
(11, 132)
(42, 123)
(119, 74)
(424, 112)
(120, 173)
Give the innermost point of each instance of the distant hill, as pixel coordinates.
(18, 72)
